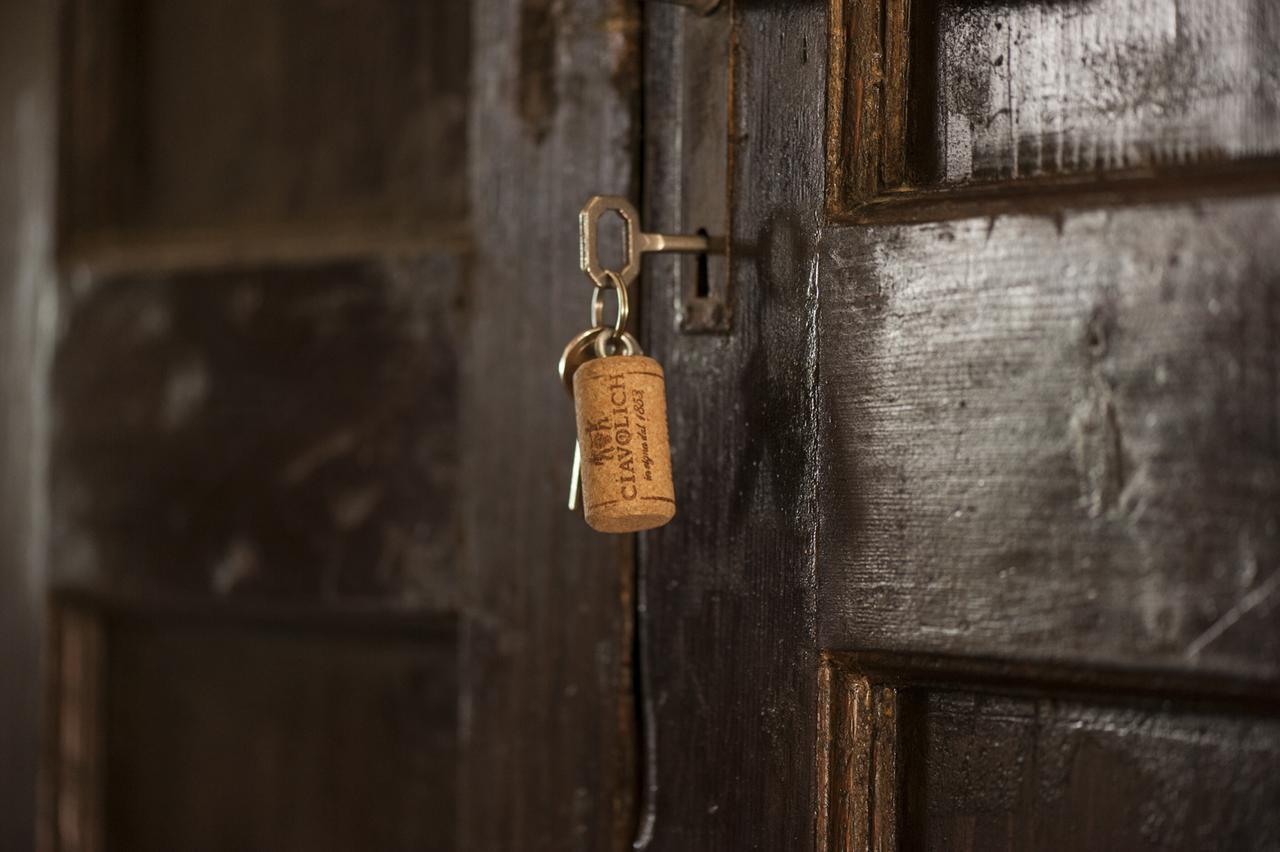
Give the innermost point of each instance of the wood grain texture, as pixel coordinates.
(727, 587)
(860, 778)
(951, 753)
(1039, 89)
(214, 728)
(546, 699)
(285, 434)
(695, 50)
(277, 385)
(27, 127)
(272, 736)
(944, 108)
(1055, 439)
(850, 746)
(73, 763)
(189, 115)
(1001, 772)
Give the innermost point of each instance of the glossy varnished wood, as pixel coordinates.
(860, 772)
(1048, 444)
(1035, 445)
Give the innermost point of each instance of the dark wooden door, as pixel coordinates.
(980, 491)
(311, 583)
(975, 426)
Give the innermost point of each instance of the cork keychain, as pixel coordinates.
(622, 458)
(623, 454)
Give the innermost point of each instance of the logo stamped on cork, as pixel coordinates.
(622, 457)
(621, 409)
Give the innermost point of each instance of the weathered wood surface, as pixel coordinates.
(255, 493)
(279, 440)
(979, 754)
(231, 735)
(1052, 440)
(1015, 91)
(27, 127)
(266, 433)
(189, 115)
(728, 586)
(944, 108)
(280, 385)
(1045, 439)
(73, 733)
(1055, 439)
(546, 692)
(859, 766)
(992, 771)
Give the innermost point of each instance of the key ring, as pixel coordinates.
(630, 346)
(619, 286)
(586, 345)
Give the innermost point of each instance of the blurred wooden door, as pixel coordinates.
(27, 132)
(314, 587)
(980, 492)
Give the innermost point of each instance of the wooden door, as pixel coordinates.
(974, 427)
(312, 585)
(980, 489)
(26, 281)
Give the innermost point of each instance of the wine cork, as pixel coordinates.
(621, 407)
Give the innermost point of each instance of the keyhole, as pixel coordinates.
(702, 279)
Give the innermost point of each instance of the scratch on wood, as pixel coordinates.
(1229, 618)
(1095, 423)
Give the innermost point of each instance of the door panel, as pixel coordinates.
(547, 711)
(1055, 438)
(199, 728)
(28, 126)
(1008, 92)
(968, 753)
(282, 433)
(941, 107)
(728, 609)
(256, 119)
(314, 588)
(1000, 389)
